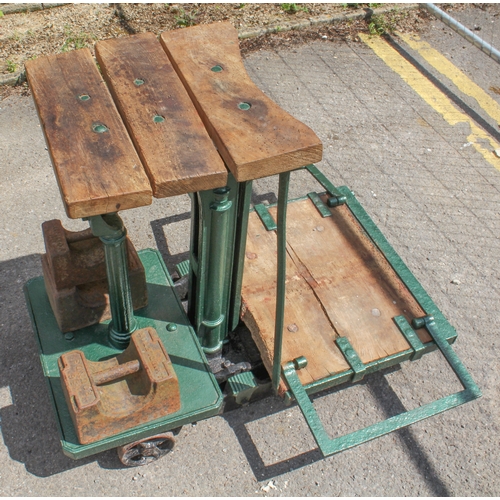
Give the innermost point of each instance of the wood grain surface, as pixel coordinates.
(337, 284)
(257, 142)
(97, 173)
(176, 150)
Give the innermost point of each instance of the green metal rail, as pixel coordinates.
(330, 446)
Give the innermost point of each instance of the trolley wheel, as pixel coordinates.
(146, 450)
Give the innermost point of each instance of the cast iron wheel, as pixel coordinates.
(146, 450)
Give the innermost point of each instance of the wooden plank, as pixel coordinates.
(177, 153)
(337, 283)
(353, 281)
(261, 141)
(308, 332)
(97, 172)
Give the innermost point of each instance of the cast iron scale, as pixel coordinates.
(180, 115)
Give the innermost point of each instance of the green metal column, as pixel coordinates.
(219, 223)
(214, 310)
(281, 278)
(211, 260)
(242, 214)
(110, 230)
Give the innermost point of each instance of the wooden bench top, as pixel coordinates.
(166, 123)
(176, 150)
(256, 142)
(96, 165)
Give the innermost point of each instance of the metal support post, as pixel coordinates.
(242, 214)
(214, 216)
(110, 230)
(284, 181)
(214, 311)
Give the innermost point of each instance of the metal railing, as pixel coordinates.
(463, 31)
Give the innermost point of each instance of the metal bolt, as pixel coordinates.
(245, 106)
(171, 327)
(69, 336)
(300, 362)
(99, 128)
(292, 328)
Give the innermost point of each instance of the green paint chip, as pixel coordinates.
(158, 119)
(216, 69)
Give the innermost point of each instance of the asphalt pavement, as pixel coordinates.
(414, 139)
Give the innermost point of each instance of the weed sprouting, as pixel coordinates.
(293, 8)
(11, 66)
(185, 19)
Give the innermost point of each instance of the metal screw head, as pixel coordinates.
(171, 327)
(69, 336)
(99, 128)
(292, 328)
(245, 106)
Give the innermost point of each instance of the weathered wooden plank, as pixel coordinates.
(256, 142)
(308, 332)
(355, 284)
(97, 172)
(177, 153)
(337, 284)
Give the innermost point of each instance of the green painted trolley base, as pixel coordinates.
(200, 394)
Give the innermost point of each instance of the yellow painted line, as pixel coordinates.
(433, 96)
(448, 69)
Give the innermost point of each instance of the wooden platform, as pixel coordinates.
(337, 284)
(166, 120)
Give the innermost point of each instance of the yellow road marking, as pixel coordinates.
(433, 96)
(448, 69)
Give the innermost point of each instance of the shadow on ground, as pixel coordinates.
(386, 398)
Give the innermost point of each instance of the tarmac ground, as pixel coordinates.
(410, 126)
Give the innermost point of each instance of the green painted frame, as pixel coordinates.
(441, 332)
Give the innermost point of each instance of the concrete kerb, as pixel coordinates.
(15, 8)
(20, 76)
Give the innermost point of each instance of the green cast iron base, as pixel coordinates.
(200, 394)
